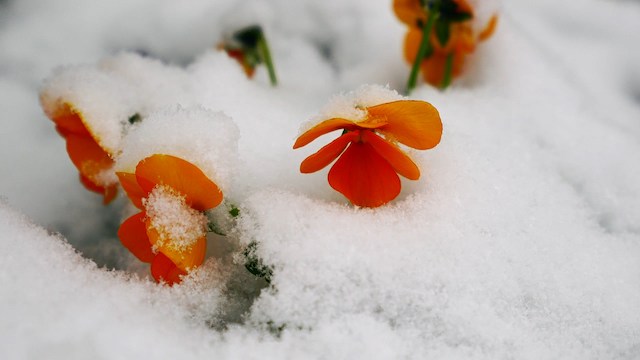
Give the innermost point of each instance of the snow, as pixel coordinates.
(173, 219)
(520, 240)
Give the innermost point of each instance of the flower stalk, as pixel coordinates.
(425, 47)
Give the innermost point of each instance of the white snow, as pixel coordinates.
(202, 137)
(178, 225)
(521, 239)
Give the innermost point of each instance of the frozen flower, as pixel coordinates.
(88, 155)
(170, 232)
(452, 35)
(369, 159)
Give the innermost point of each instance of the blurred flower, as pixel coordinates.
(449, 25)
(367, 171)
(170, 232)
(250, 48)
(91, 159)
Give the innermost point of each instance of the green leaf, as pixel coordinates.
(234, 211)
(135, 118)
(254, 265)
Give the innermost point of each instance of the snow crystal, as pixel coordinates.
(204, 138)
(178, 225)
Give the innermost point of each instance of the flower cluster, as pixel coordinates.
(441, 33)
(173, 164)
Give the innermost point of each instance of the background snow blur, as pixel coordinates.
(521, 240)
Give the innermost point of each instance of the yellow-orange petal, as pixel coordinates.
(67, 120)
(185, 259)
(400, 162)
(412, 122)
(88, 157)
(133, 235)
(180, 175)
(410, 12)
(130, 185)
(163, 269)
(489, 29)
(412, 44)
(322, 128)
(364, 177)
(328, 153)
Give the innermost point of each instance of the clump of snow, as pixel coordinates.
(104, 103)
(352, 105)
(178, 225)
(202, 137)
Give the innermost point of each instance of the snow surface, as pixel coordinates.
(521, 240)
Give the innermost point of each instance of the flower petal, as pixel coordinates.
(185, 259)
(489, 29)
(321, 129)
(67, 120)
(364, 177)
(202, 193)
(133, 235)
(414, 123)
(400, 162)
(410, 12)
(162, 268)
(88, 157)
(328, 153)
(108, 193)
(130, 185)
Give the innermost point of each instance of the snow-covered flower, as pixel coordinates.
(170, 232)
(367, 171)
(93, 160)
(453, 34)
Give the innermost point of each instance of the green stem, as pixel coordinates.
(263, 47)
(448, 70)
(425, 45)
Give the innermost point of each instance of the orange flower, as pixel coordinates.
(90, 158)
(170, 232)
(367, 171)
(452, 36)
(241, 56)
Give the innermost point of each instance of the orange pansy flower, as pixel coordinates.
(170, 231)
(369, 159)
(91, 159)
(453, 27)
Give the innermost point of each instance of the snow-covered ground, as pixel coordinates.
(521, 240)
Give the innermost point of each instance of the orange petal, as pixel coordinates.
(130, 185)
(321, 129)
(88, 156)
(162, 268)
(414, 123)
(108, 193)
(186, 259)
(463, 6)
(489, 29)
(364, 177)
(400, 162)
(67, 120)
(410, 12)
(133, 235)
(328, 153)
(182, 176)
(412, 44)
